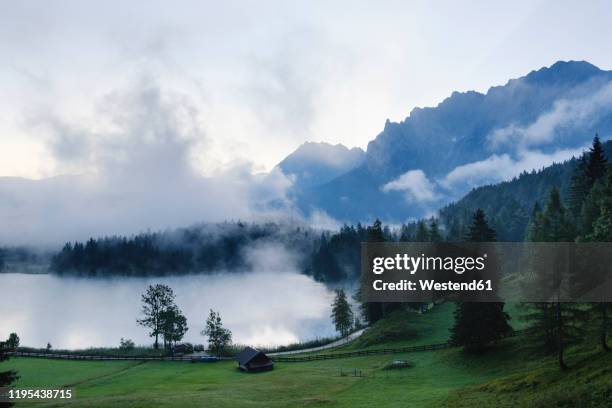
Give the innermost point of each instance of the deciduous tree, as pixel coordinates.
(156, 301)
(218, 336)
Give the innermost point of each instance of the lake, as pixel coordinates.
(260, 308)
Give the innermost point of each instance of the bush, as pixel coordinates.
(13, 341)
(126, 344)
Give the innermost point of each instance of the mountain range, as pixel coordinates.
(438, 154)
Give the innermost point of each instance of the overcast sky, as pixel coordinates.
(252, 80)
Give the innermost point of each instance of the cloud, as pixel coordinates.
(319, 219)
(142, 149)
(567, 113)
(416, 186)
(497, 168)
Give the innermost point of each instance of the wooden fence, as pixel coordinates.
(104, 358)
(359, 353)
(279, 359)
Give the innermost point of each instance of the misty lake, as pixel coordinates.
(259, 308)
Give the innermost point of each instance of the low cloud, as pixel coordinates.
(569, 113)
(415, 185)
(497, 168)
(419, 189)
(319, 219)
(142, 152)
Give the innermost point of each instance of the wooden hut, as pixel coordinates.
(251, 360)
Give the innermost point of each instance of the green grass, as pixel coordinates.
(507, 375)
(408, 328)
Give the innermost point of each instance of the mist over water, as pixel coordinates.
(260, 308)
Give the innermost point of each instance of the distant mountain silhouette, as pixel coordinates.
(314, 164)
(437, 154)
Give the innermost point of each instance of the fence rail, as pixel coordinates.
(279, 359)
(103, 358)
(359, 353)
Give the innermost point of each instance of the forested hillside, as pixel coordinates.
(509, 205)
(466, 129)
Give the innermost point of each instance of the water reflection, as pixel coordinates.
(260, 308)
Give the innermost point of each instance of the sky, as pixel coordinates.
(118, 117)
(247, 82)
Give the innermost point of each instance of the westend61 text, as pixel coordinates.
(406, 285)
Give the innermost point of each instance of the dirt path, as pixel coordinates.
(333, 344)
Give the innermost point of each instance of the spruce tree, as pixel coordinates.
(373, 311)
(480, 230)
(422, 233)
(588, 186)
(478, 324)
(342, 315)
(405, 234)
(455, 232)
(553, 324)
(602, 232)
(591, 209)
(597, 163)
(434, 231)
(375, 232)
(580, 185)
(602, 226)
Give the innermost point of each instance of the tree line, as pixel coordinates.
(509, 204)
(201, 249)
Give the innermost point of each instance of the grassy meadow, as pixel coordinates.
(507, 375)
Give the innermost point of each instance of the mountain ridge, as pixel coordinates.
(466, 129)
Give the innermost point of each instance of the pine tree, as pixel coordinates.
(602, 226)
(342, 315)
(591, 208)
(587, 185)
(422, 233)
(602, 232)
(580, 185)
(534, 224)
(434, 231)
(480, 230)
(478, 324)
(455, 232)
(373, 311)
(405, 234)
(375, 232)
(553, 324)
(597, 163)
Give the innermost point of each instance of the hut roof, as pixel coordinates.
(247, 355)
